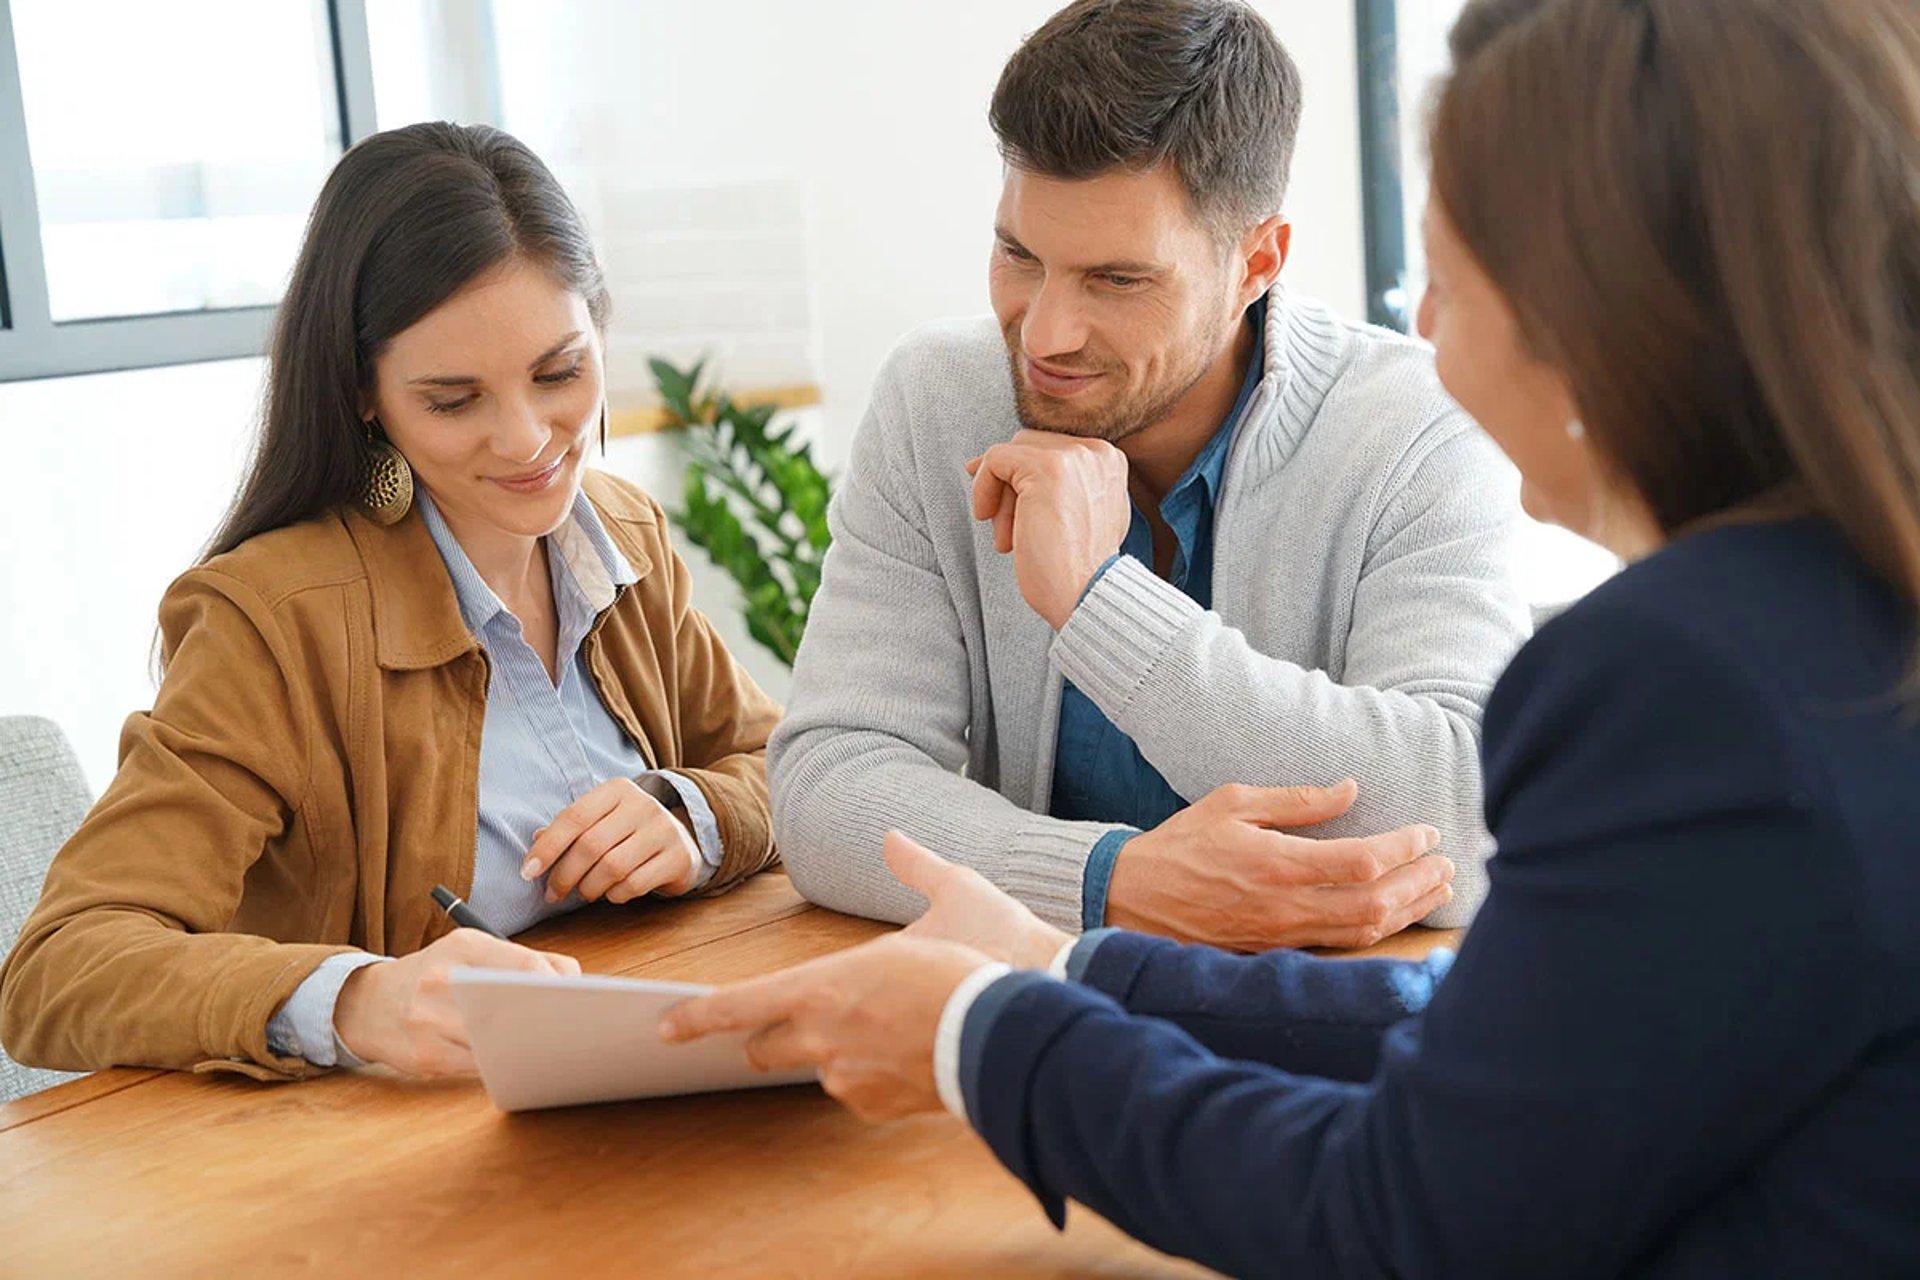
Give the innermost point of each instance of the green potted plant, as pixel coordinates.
(756, 503)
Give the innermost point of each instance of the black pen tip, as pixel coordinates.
(444, 896)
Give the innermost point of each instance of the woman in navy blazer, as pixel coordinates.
(1675, 254)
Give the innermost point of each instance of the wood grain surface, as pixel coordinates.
(145, 1173)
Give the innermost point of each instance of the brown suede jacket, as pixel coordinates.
(308, 773)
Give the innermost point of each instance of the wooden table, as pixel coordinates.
(153, 1173)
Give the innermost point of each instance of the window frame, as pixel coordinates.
(1382, 193)
(32, 345)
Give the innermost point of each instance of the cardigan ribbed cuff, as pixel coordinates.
(1120, 630)
(1045, 867)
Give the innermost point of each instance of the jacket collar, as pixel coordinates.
(416, 613)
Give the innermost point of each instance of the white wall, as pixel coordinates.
(118, 480)
(874, 111)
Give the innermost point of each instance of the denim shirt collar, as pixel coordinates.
(1205, 476)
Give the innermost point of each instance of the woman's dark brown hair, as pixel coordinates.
(405, 220)
(1706, 215)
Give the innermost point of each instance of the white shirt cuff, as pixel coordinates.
(946, 1039)
(302, 1027)
(675, 790)
(1057, 968)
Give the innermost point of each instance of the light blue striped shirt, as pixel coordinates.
(543, 746)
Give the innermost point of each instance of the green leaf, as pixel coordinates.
(676, 389)
(754, 501)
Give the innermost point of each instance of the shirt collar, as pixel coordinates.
(1209, 470)
(595, 568)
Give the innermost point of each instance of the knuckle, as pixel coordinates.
(1298, 796)
(1378, 914)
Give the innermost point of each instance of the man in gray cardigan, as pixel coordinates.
(1125, 574)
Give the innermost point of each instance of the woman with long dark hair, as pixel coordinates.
(427, 647)
(1675, 250)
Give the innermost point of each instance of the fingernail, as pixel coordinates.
(1433, 838)
(529, 869)
(669, 1029)
(553, 895)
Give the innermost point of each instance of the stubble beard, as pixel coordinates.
(1129, 415)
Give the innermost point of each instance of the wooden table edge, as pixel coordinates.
(74, 1093)
(101, 1084)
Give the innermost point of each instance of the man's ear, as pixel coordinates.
(1263, 252)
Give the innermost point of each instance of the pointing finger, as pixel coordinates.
(745, 1006)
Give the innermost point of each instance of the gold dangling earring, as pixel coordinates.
(386, 486)
(603, 428)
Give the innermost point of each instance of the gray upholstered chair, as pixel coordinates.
(43, 796)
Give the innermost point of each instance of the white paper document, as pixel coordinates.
(547, 1041)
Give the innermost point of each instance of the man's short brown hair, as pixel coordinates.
(1109, 84)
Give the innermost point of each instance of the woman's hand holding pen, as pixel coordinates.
(615, 842)
(401, 1013)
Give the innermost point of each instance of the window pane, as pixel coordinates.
(1422, 38)
(434, 60)
(172, 174)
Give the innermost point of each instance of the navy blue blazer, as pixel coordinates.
(1681, 1039)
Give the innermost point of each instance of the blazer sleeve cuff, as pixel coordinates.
(1077, 956)
(946, 1039)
